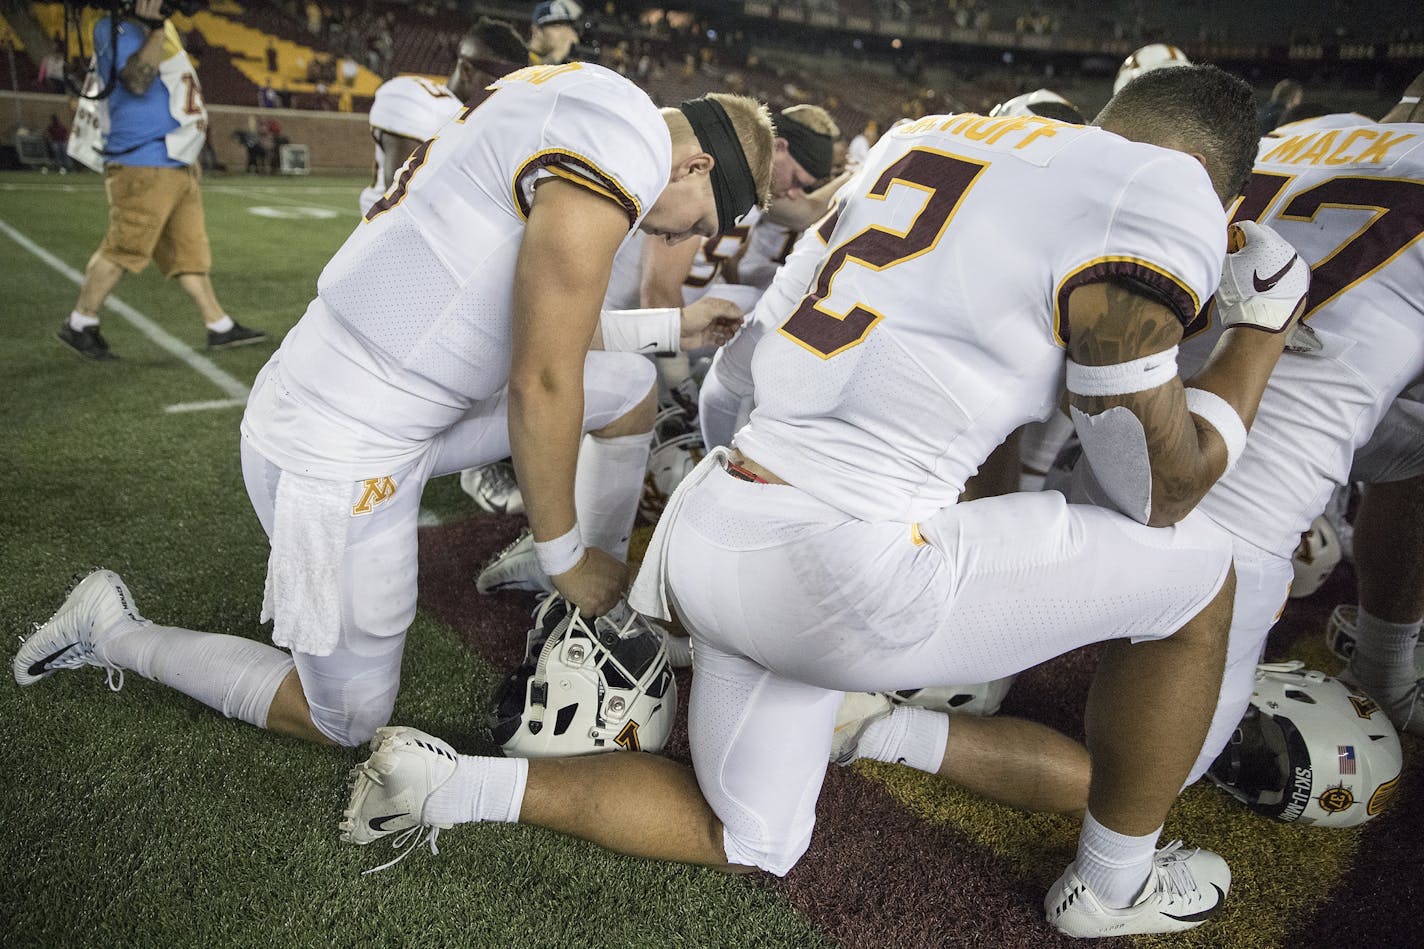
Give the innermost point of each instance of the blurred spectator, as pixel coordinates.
(267, 96)
(271, 56)
(553, 31)
(51, 70)
(272, 141)
(313, 17)
(1285, 100)
(861, 144)
(349, 70)
(57, 137)
(250, 138)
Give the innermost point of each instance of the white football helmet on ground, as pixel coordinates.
(586, 687)
(981, 699)
(1150, 57)
(1315, 558)
(677, 449)
(1040, 102)
(1310, 751)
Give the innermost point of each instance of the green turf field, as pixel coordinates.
(139, 818)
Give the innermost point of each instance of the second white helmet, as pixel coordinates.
(1310, 751)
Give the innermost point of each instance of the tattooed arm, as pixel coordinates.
(1112, 323)
(138, 73)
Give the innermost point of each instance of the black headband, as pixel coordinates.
(812, 150)
(733, 187)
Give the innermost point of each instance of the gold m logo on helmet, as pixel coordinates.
(373, 492)
(628, 738)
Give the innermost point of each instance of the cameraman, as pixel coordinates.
(157, 125)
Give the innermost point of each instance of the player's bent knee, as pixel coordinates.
(357, 721)
(773, 853)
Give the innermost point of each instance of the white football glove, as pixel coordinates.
(1264, 281)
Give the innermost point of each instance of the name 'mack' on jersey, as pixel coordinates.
(411, 107)
(1351, 201)
(412, 323)
(935, 324)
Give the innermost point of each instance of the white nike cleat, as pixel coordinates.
(516, 567)
(389, 790)
(858, 711)
(1186, 888)
(493, 488)
(98, 606)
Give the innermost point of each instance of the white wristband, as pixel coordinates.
(655, 332)
(561, 554)
(1218, 413)
(1124, 378)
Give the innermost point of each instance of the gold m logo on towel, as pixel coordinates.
(373, 492)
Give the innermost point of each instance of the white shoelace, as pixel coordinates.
(84, 656)
(410, 838)
(1172, 863)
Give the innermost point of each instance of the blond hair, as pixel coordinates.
(752, 123)
(814, 118)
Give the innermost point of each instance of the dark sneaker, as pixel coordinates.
(239, 335)
(86, 342)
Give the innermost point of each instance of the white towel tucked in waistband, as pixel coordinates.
(649, 593)
(303, 592)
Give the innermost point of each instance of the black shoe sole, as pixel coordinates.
(233, 344)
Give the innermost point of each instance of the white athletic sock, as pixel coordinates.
(1114, 866)
(910, 736)
(607, 486)
(221, 325)
(78, 321)
(481, 789)
(1383, 662)
(236, 676)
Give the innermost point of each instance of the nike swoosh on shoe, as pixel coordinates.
(41, 667)
(1207, 913)
(379, 823)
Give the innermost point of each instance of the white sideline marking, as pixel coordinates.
(161, 337)
(205, 406)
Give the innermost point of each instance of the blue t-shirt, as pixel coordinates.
(137, 124)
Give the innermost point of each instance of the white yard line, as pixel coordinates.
(205, 406)
(200, 364)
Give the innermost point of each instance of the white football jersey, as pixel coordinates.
(1351, 200)
(933, 327)
(412, 323)
(412, 107)
(768, 246)
(713, 254)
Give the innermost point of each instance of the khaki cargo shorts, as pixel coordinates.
(156, 214)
